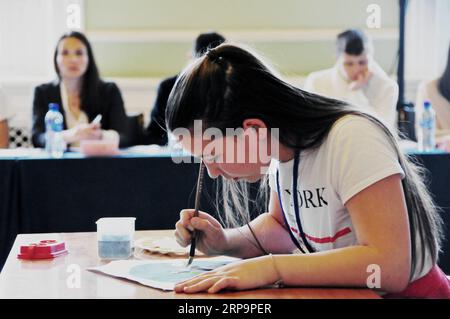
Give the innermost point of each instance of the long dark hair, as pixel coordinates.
(91, 78)
(444, 81)
(229, 84)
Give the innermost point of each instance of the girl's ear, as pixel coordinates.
(253, 123)
(256, 126)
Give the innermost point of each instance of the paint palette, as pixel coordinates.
(165, 246)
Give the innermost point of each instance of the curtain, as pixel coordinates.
(427, 38)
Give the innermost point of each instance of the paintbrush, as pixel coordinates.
(197, 205)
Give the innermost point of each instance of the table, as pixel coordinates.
(48, 278)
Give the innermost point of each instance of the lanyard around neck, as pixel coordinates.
(296, 207)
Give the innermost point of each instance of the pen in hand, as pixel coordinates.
(97, 119)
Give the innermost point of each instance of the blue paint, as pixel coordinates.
(114, 247)
(173, 273)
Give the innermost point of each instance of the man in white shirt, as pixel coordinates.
(4, 131)
(357, 79)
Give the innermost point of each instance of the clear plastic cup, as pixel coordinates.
(115, 237)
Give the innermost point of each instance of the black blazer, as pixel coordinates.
(156, 131)
(110, 106)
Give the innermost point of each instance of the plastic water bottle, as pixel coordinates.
(54, 142)
(427, 128)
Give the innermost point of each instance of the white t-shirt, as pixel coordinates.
(379, 96)
(355, 155)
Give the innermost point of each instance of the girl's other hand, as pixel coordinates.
(246, 274)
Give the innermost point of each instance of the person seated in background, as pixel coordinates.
(437, 92)
(156, 132)
(4, 129)
(82, 95)
(357, 79)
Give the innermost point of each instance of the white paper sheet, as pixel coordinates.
(161, 274)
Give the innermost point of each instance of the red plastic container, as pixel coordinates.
(45, 249)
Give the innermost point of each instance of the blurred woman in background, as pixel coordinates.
(82, 95)
(437, 92)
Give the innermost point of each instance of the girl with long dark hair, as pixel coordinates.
(344, 201)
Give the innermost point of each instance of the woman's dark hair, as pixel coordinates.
(444, 81)
(91, 78)
(352, 41)
(229, 84)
